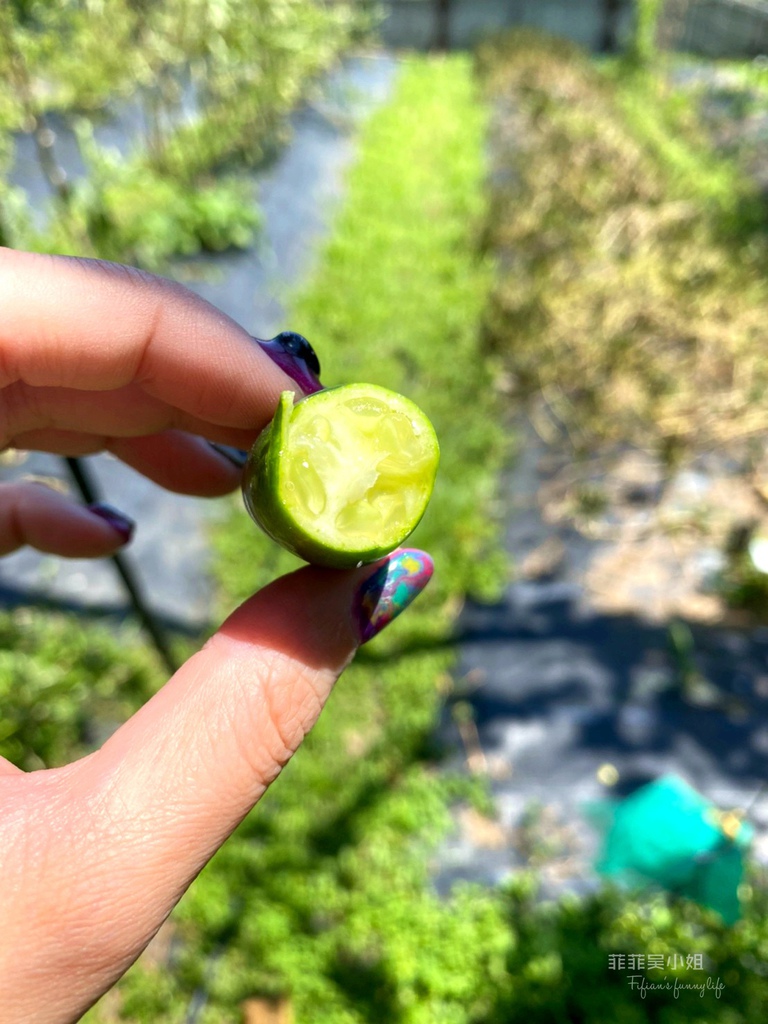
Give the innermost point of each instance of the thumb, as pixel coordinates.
(220, 731)
(145, 813)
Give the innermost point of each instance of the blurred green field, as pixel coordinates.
(559, 285)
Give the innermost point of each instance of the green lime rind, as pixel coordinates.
(272, 461)
(261, 484)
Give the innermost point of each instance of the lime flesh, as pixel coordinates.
(343, 476)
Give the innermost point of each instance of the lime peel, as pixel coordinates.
(343, 476)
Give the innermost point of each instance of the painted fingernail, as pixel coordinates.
(236, 456)
(119, 522)
(296, 357)
(390, 589)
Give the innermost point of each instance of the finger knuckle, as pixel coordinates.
(277, 714)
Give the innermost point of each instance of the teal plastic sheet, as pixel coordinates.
(665, 832)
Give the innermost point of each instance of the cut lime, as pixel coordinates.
(344, 475)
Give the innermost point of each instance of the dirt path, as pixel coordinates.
(606, 661)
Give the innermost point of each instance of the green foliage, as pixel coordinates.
(80, 55)
(251, 67)
(63, 684)
(642, 49)
(129, 212)
(216, 81)
(59, 47)
(667, 125)
(743, 585)
(15, 220)
(562, 972)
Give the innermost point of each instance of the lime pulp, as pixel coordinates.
(344, 475)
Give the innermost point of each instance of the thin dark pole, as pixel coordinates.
(609, 38)
(89, 492)
(442, 37)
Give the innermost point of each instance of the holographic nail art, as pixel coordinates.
(390, 590)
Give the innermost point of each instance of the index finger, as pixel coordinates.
(95, 326)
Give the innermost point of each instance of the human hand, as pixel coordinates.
(94, 855)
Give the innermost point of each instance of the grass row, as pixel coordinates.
(322, 895)
(634, 256)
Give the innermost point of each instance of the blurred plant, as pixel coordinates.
(642, 49)
(745, 586)
(64, 683)
(131, 213)
(630, 284)
(252, 61)
(563, 965)
(216, 82)
(15, 221)
(590, 501)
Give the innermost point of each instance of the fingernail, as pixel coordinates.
(390, 589)
(119, 522)
(236, 456)
(296, 357)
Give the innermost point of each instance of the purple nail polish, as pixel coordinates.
(390, 589)
(119, 522)
(296, 357)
